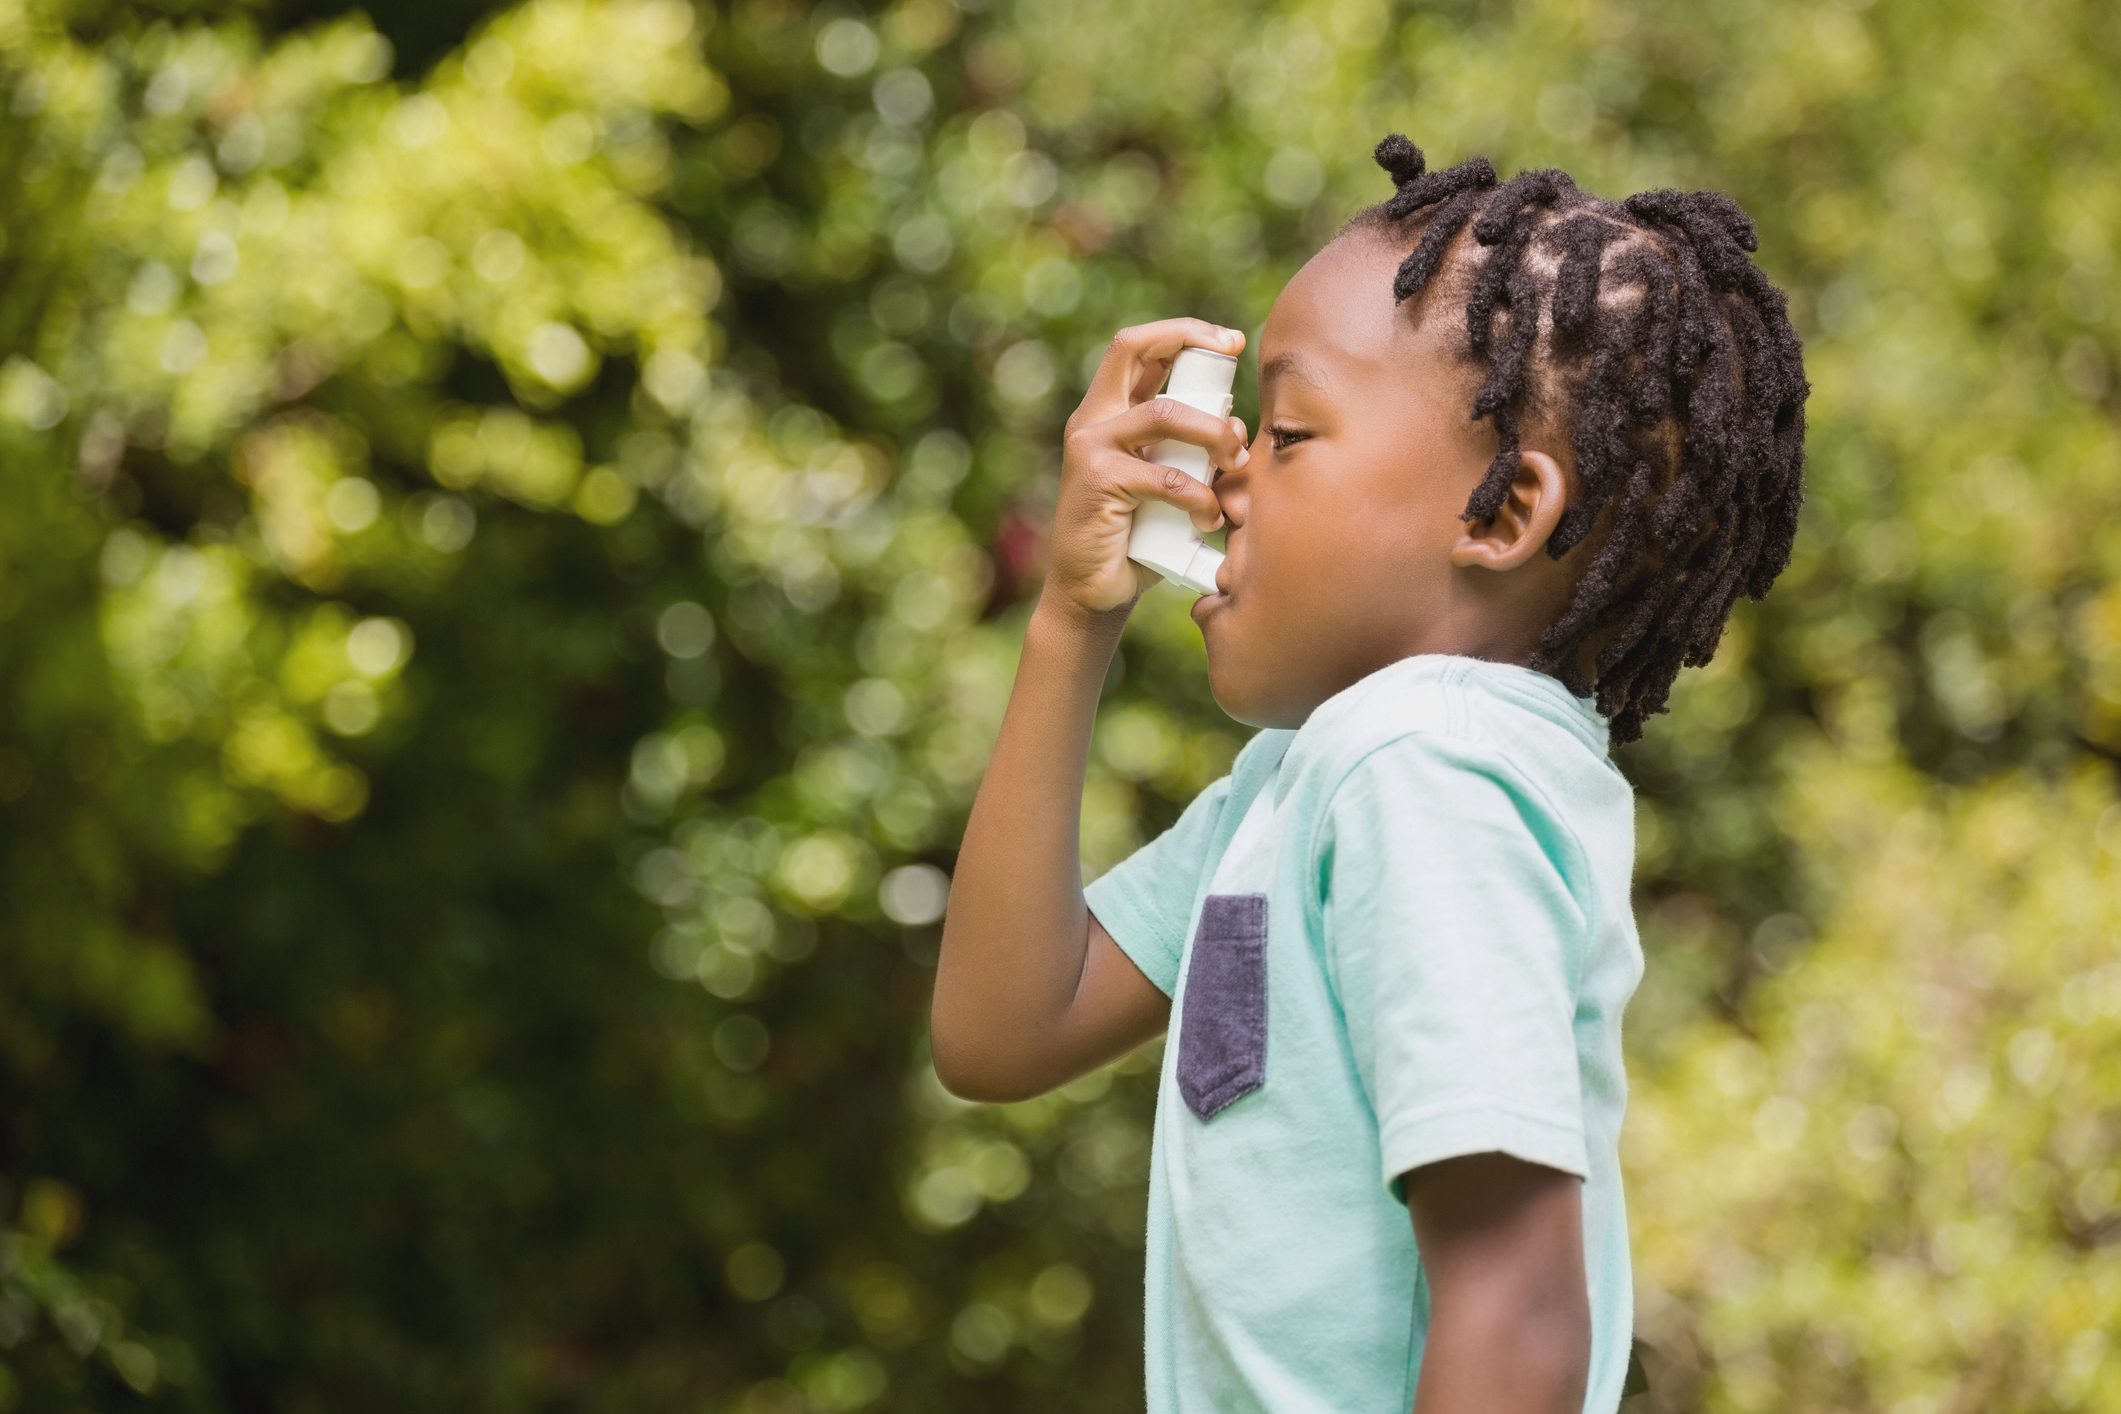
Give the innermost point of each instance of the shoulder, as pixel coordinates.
(1401, 714)
(1428, 778)
(1434, 792)
(1428, 720)
(1420, 805)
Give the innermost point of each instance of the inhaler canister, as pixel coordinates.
(1163, 537)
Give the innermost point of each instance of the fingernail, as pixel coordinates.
(1244, 454)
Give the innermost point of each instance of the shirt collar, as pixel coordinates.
(1538, 692)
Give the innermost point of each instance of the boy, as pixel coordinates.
(1396, 938)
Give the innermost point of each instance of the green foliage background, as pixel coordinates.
(515, 530)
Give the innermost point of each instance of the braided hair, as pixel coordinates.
(1681, 378)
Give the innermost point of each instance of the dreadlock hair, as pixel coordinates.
(1683, 384)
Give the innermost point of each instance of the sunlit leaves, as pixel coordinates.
(512, 568)
(1915, 1136)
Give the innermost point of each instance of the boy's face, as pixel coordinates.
(1345, 550)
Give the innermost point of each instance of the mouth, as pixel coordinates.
(1208, 603)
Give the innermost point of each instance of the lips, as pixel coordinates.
(1208, 603)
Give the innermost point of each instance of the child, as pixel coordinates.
(1396, 939)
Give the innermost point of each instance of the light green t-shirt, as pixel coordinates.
(1397, 933)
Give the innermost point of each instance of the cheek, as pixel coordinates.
(1316, 564)
(1372, 524)
(1314, 540)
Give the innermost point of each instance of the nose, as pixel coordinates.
(1233, 488)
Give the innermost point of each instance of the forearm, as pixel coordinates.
(1015, 930)
(1487, 1361)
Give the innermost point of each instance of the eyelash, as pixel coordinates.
(1275, 434)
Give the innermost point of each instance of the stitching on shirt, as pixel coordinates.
(1452, 728)
(1585, 870)
(1574, 1135)
(1571, 1126)
(1150, 900)
(1473, 727)
(1146, 902)
(1455, 699)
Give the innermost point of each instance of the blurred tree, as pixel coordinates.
(514, 531)
(1915, 1199)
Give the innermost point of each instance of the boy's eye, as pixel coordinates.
(1277, 434)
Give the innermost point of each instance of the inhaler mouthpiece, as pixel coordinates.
(1163, 537)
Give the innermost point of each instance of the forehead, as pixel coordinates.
(1337, 316)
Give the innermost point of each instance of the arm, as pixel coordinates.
(1030, 991)
(1510, 1316)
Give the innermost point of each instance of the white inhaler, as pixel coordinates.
(1163, 537)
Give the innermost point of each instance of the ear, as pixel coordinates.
(1521, 525)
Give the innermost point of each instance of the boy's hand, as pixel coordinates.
(1103, 478)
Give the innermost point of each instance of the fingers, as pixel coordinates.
(1135, 366)
(1137, 479)
(1146, 424)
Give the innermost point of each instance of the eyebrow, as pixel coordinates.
(1297, 367)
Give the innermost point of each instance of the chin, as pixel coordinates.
(1219, 684)
(1247, 700)
(1230, 691)
(1246, 694)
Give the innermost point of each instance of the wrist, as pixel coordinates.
(1056, 613)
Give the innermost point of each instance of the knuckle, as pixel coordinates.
(1175, 479)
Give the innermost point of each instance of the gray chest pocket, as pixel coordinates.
(1222, 1039)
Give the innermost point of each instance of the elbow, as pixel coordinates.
(976, 1087)
(949, 1073)
(967, 1067)
(963, 1077)
(977, 1054)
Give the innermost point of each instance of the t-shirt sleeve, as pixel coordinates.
(1454, 942)
(1144, 900)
